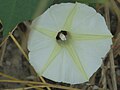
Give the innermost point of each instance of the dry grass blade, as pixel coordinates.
(3, 52)
(6, 38)
(12, 78)
(20, 48)
(39, 83)
(4, 41)
(26, 88)
(7, 76)
(116, 45)
(107, 15)
(112, 66)
(116, 9)
(18, 45)
(109, 83)
(44, 82)
(104, 83)
(118, 1)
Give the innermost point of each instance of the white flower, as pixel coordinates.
(67, 43)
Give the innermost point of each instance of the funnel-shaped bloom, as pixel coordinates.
(67, 42)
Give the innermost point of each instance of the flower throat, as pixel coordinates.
(62, 36)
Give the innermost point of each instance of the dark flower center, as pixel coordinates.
(62, 35)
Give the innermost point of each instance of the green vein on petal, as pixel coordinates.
(45, 31)
(52, 56)
(89, 36)
(69, 19)
(76, 60)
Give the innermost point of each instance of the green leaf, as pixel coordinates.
(82, 1)
(13, 12)
(91, 3)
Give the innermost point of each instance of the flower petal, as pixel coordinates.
(39, 41)
(54, 18)
(38, 58)
(89, 37)
(69, 19)
(52, 56)
(63, 69)
(45, 21)
(88, 21)
(76, 60)
(91, 53)
(44, 31)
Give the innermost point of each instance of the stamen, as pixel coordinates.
(62, 37)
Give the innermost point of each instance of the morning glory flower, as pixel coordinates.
(67, 42)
